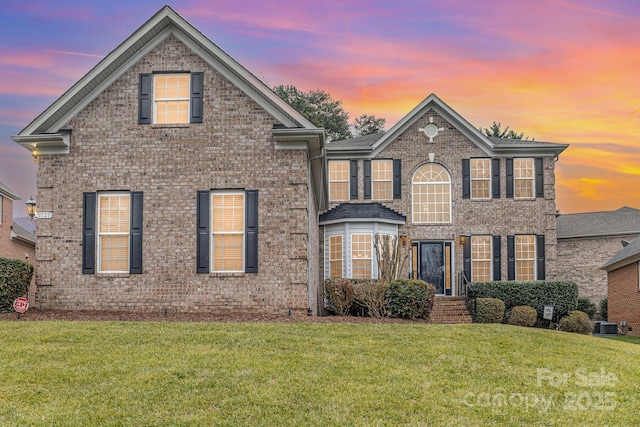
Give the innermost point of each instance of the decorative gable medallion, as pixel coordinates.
(431, 130)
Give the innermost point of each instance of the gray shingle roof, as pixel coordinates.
(624, 221)
(627, 255)
(361, 141)
(370, 211)
(23, 230)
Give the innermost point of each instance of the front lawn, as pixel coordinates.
(272, 374)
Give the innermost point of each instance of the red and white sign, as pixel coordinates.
(20, 305)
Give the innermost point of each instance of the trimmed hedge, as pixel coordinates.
(561, 294)
(15, 277)
(522, 315)
(405, 298)
(578, 322)
(586, 306)
(410, 299)
(488, 310)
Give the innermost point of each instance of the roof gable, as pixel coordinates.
(372, 145)
(164, 23)
(628, 254)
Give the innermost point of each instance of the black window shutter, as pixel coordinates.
(540, 257)
(466, 179)
(135, 249)
(202, 238)
(144, 99)
(366, 166)
(353, 181)
(251, 232)
(511, 257)
(497, 259)
(510, 178)
(88, 233)
(397, 179)
(196, 98)
(466, 261)
(539, 169)
(495, 178)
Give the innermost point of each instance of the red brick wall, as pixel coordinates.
(624, 296)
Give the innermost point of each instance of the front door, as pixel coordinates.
(435, 263)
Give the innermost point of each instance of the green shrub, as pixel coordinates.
(522, 315)
(339, 294)
(488, 310)
(370, 296)
(604, 309)
(561, 294)
(15, 277)
(577, 321)
(410, 299)
(586, 306)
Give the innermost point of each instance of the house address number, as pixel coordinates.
(44, 215)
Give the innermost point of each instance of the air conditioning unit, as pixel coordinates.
(605, 328)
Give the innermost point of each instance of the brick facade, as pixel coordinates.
(232, 149)
(10, 248)
(624, 297)
(497, 216)
(580, 259)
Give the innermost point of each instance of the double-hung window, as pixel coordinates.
(525, 257)
(335, 256)
(382, 179)
(170, 98)
(339, 177)
(481, 258)
(171, 93)
(480, 178)
(523, 178)
(112, 232)
(227, 231)
(361, 256)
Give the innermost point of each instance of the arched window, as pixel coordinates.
(431, 195)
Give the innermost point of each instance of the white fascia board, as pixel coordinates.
(361, 220)
(45, 143)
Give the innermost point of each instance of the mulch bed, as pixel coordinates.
(132, 316)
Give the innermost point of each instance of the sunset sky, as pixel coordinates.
(559, 71)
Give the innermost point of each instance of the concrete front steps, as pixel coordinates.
(450, 310)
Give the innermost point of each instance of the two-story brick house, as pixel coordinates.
(176, 180)
(474, 208)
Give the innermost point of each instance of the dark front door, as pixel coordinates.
(434, 257)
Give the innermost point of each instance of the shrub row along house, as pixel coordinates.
(177, 180)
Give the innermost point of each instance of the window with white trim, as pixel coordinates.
(431, 195)
(171, 94)
(339, 180)
(335, 256)
(480, 178)
(361, 256)
(113, 232)
(382, 179)
(523, 178)
(481, 258)
(525, 256)
(227, 231)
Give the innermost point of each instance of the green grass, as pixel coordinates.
(625, 338)
(261, 374)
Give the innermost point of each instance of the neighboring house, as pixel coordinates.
(587, 240)
(473, 208)
(624, 288)
(17, 235)
(177, 180)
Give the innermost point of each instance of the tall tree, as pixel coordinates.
(368, 124)
(496, 131)
(320, 108)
